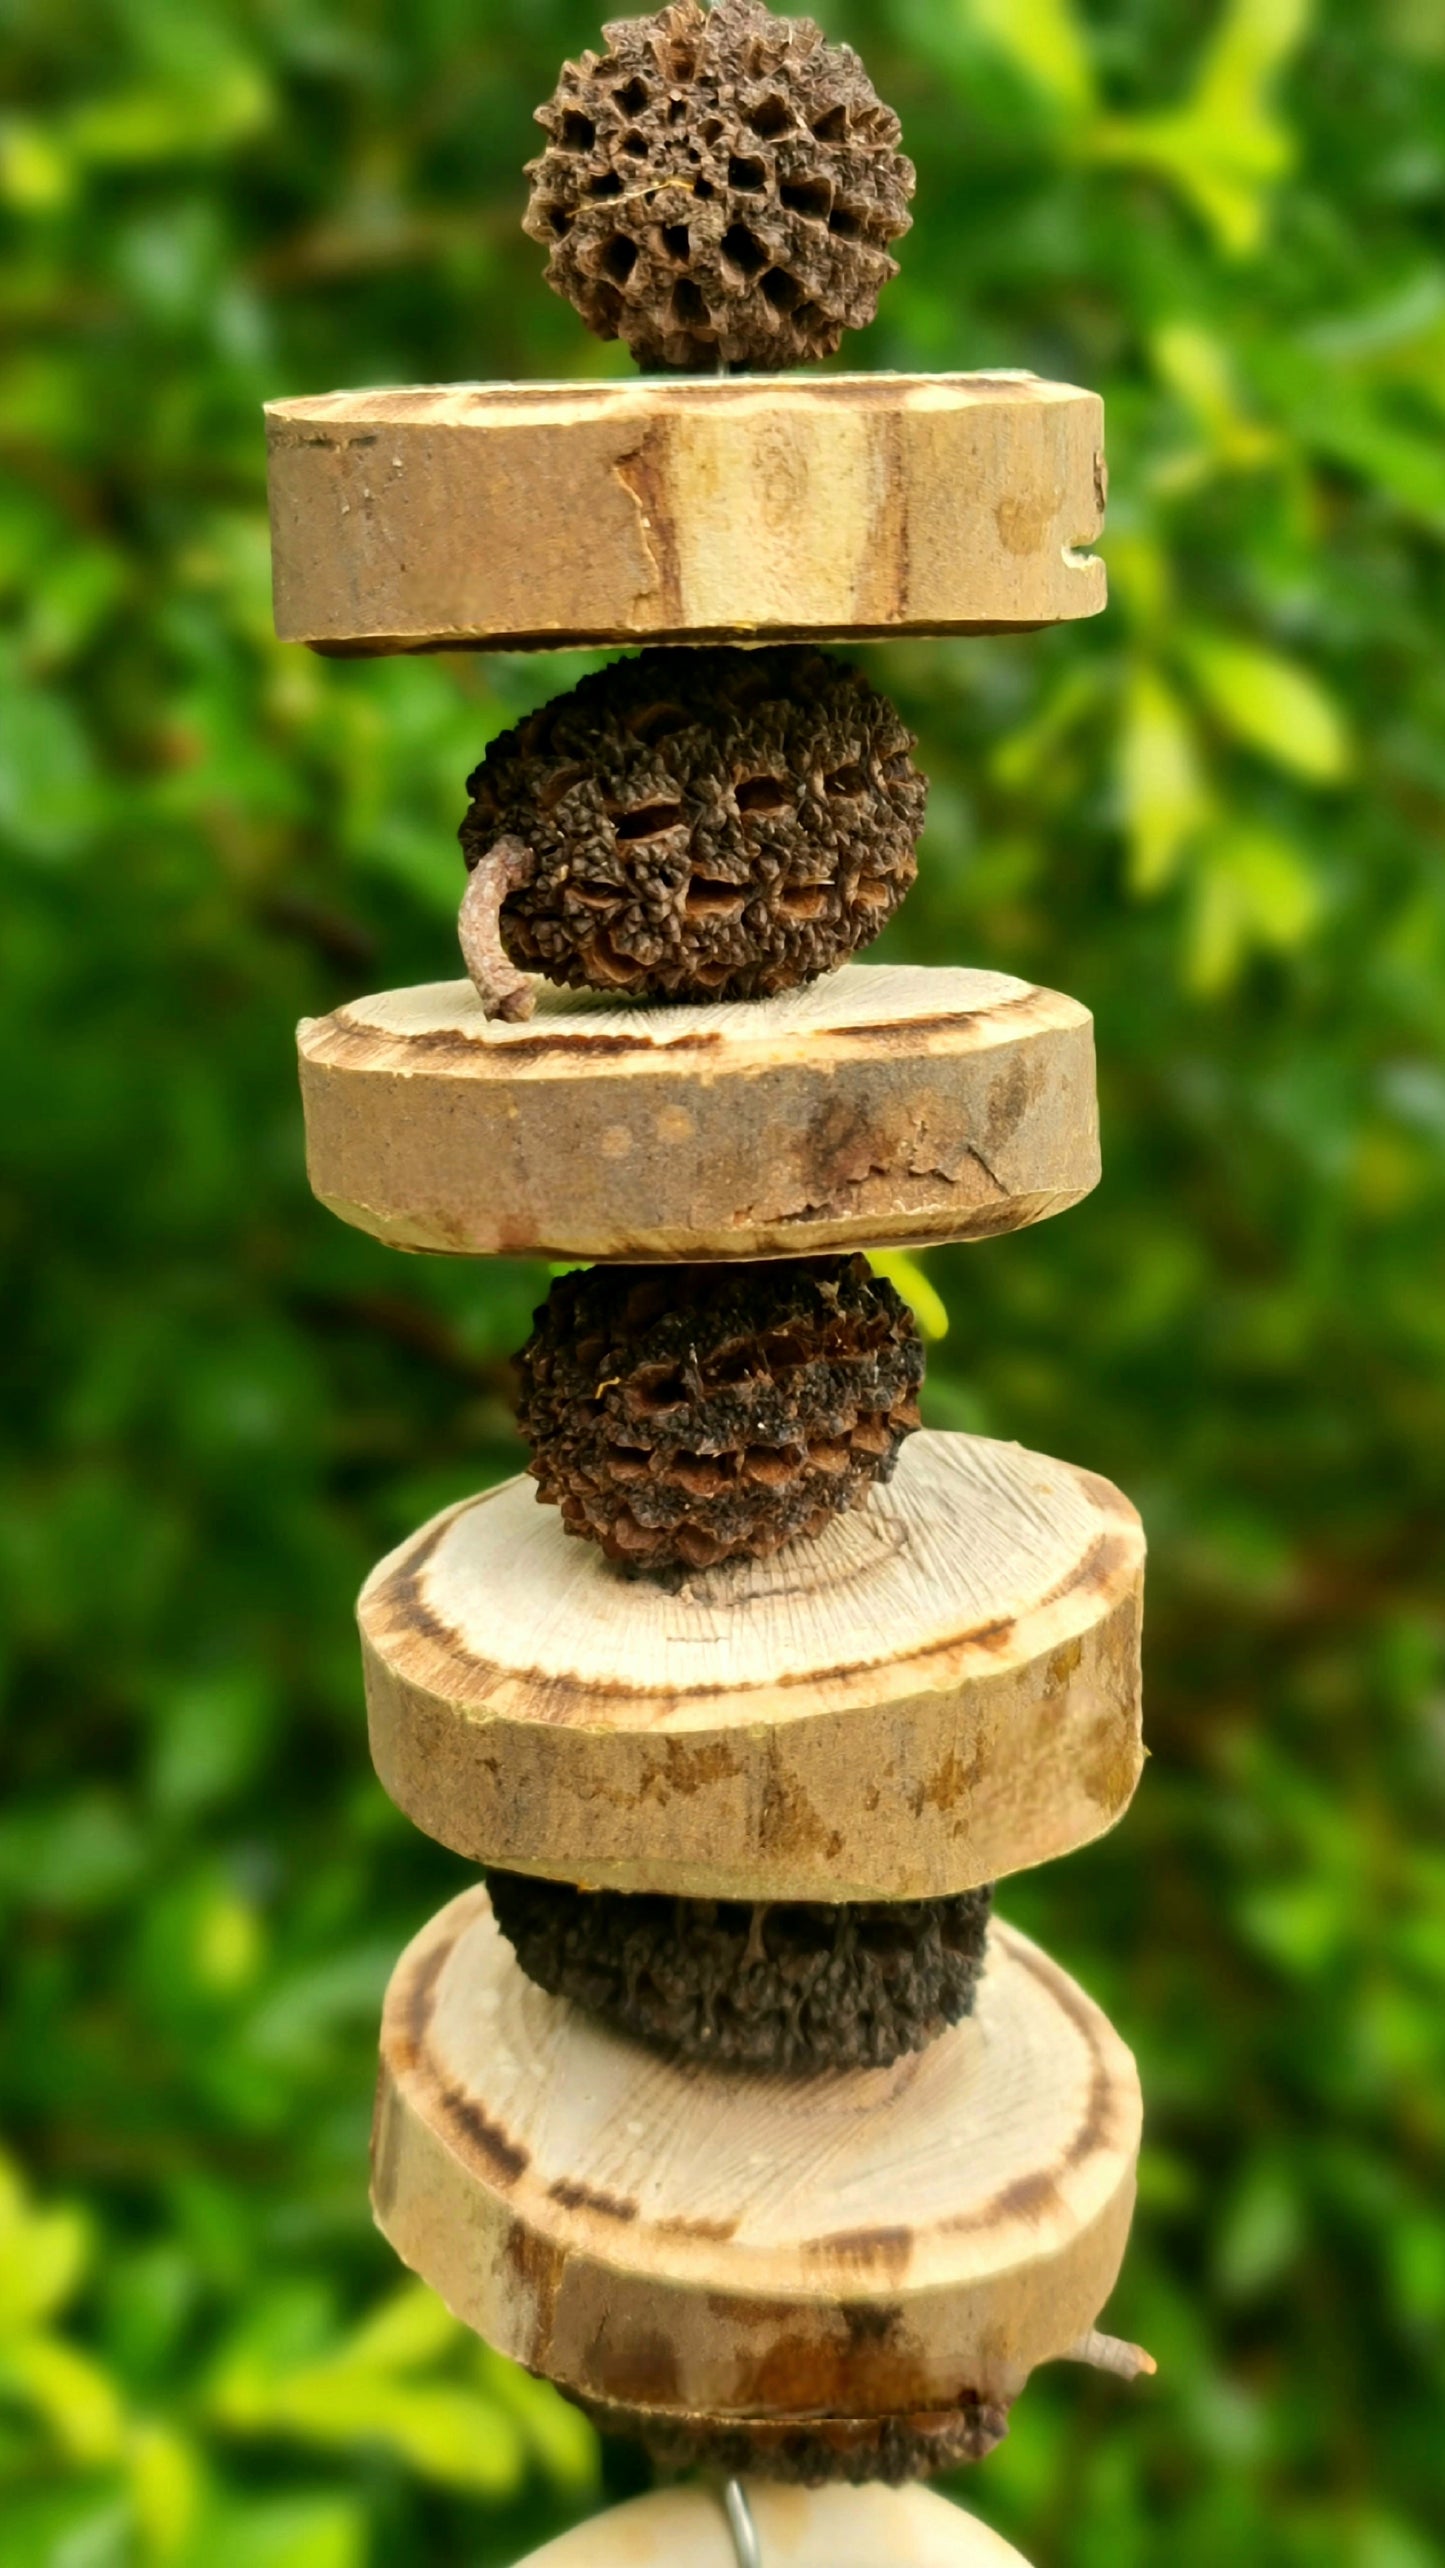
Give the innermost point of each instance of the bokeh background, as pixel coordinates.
(1215, 815)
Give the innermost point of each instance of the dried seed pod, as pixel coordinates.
(678, 1415)
(719, 189)
(713, 824)
(813, 2452)
(791, 1986)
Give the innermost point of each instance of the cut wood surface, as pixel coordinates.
(688, 2241)
(940, 1687)
(519, 515)
(883, 1105)
(796, 2528)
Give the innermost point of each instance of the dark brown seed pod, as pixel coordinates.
(813, 2452)
(719, 189)
(690, 825)
(790, 1986)
(678, 1415)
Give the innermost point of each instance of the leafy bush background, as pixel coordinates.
(1215, 815)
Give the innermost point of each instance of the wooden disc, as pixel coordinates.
(796, 2528)
(684, 2241)
(530, 515)
(879, 1106)
(941, 1687)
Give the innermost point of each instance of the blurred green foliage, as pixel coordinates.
(1215, 815)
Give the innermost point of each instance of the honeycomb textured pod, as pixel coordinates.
(679, 1415)
(816, 2451)
(719, 189)
(788, 1986)
(690, 825)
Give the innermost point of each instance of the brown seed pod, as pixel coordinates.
(790, 1986)
(719, 189)
(690, 825)
(678, 1415)
(811, 2452)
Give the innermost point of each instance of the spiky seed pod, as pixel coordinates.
(690, 825)
(719, 189)
(678, 1415)
(849, 2451)
(791, 1986)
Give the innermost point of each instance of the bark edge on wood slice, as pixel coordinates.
(885, 1105)
(728, 509)
(683, 2241)
(939, 1688)
(825, 2528)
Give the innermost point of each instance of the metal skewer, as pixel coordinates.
(741, 2525)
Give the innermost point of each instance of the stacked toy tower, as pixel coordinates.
(724, 2102)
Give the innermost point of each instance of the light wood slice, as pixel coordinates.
(881, 1106)
(687, 2242)
(529, 515)
(796, 2528)
(941, 1687)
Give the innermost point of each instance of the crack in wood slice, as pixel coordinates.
(682, 2241)
(796, 2527)
(531, 515)
(940, 1688)
(880, 1106)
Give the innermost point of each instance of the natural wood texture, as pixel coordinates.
(688, 2242)
(879, 1106)
(796, 2528)
(941, 1687)
(517, 515)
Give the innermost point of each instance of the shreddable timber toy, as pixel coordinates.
(725, 2100)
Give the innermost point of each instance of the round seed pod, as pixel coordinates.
(811, 2452)
(680, 1415)
(690, 825)
(719, 189)
(790, 1986)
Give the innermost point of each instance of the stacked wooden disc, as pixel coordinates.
(694, 1760)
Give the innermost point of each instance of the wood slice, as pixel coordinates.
(879, 1106)
(796, 2528)
(530, 515)
(941, 1687)
(685, 2242)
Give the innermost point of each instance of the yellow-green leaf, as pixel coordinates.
(42, 2255)
(907, 1277)
(68, 2392)
(411, 2327)
(166, 2485)
(1225, 149)
(1271, 704)
(1253, 889)
(1162, 786)
(557, 2434)
(442, 2431)
(1047, 41)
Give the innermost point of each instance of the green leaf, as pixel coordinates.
(1271, 704)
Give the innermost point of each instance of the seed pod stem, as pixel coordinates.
(502, 989)
(1110, 2354)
